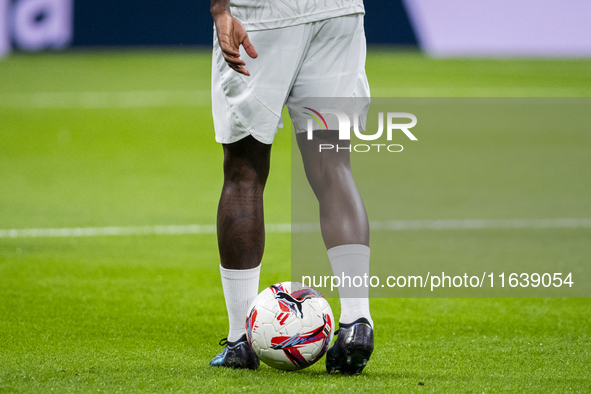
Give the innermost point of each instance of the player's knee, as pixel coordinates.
(243, 174)
(246, 161)
(327, 176)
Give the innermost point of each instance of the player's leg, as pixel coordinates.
(241, 241)
(240, 221)
(343, 219)
(247, 113)
(345, 230)
(339, 72)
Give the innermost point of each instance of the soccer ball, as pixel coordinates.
(289, 326)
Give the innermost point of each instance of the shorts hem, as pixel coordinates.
(238, 137)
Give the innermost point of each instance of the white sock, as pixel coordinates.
(350, 261)
(240, 289)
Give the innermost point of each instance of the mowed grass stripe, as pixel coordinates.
(449, 224)
(202, 98)
(129, 99)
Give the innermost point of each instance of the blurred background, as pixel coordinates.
(442, 28)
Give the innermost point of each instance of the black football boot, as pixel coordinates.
(352, 349)
(237, 355)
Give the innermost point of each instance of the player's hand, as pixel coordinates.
(231, 34)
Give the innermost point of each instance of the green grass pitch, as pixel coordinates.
(145, 313)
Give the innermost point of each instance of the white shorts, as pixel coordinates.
(319, 59)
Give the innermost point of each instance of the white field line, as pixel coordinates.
(475, 91)
(396, 225)
(89, 100)
(202, 98)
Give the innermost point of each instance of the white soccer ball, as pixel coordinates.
(289, 326)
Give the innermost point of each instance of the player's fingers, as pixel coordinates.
(234, 60)
(240, 69)
(234, 65)
(249, 48)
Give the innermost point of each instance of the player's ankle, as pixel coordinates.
(236, 336)
(349, 317)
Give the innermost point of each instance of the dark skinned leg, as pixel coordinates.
(240, 221)
(343, 219)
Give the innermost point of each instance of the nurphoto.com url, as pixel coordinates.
(442, 281)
